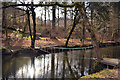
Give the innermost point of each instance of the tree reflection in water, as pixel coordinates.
(33, 66)
(82, 63)
(52, 64)
(90, 63)
(71, 64)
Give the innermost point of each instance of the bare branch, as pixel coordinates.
(41, 5)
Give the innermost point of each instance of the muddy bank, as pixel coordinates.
(109, 44)
(25, 52)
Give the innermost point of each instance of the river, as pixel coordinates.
(71, 64)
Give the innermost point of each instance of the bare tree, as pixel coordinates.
(53, 22)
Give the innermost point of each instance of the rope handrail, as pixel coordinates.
(71, 48)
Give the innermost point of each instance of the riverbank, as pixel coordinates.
(55, 49)
(104, 74)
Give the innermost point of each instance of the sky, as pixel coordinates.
(40, 10)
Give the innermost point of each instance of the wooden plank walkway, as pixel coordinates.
(110, 61)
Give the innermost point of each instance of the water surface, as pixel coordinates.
(71, 64)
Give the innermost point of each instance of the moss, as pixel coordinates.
(4, 48)
(74, 46)
(22, 48)
(41, 38)
(69, 46)
(102, 74)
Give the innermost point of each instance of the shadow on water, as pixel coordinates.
(70, 64)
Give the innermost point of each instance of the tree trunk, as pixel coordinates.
(14, 15)
(45, 16)
(25, 26)
(65, 14)
(4, 20)
(34, 26)
(48, 14)
(119, 19)
(71, 15)
(74, 25)
(41, 18)
(83, 36)
(28, 16)
(92, 34)
(53, 22)
(58, 16)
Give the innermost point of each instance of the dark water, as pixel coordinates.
(71, 64)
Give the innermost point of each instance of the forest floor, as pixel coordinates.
(44, 42)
